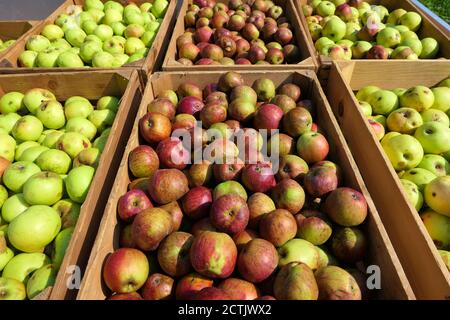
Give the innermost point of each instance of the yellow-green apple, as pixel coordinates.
(404, 151)
(446, 257)
(69, 212)
(13, 207)
(346, 207)
(31, 154)
(27, 128)
(197, 202)
(298, 250)
(411, 19)
(364, 93)
(389, 37)
(73, 143)
(213, 254)
(365, 107)
(7, 146)
(173, 254)
(334, 29)
(78, 182)
(51, 114)
(167, 185)
(435, 164)
(404, 120)
(18, 173)
(441, 98)
(289, 195)
(42, 278)
(436, 195)
(37, 43)
(77, 108)
(229, 187)
(28, 59)
(132, 203)
(51, 139)
(60, 245)
(413, 194)
(43, 188)
(435, 115)
(103, 59)
(257, 260)
(383, 101)
(335, 283)
(126, 270)
(158, 287)
(430, 48)
(295, 281)
(11, 102)
(414, 44)
(89, 49)
(438, 227)
(420, 177)
(12, 289)
(434, 137)
(238, 289)
(419, 97)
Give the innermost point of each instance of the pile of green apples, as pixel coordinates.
(417, 143)
(97, 34)
(48, 156)
(6, 44)
(354, 29)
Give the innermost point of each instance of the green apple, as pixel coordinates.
(436, 195)
(153, 26)
(78, 182)
(132, 45)
(83, 126)
(435, 164)
(434, 137)
(61, 19)
(103, 60)
(436, 116)
(92, 4)
(8, 120)
(88, 49)
(44, 135)
(88, 157)
(114, 46)
(51, 114)
(51, 139)
(37, 43)
(118, 28)
(60, 44)
(52, 32)
(441, 98)
(27, 59)
(97, 15)
(113, 5)
(438, 227)
(35, 97)
(111, 16)
(11, 102)
(404, 151)
(69, 212)
(5, 257)
(24, 264)
(43, 188)
(100, 142)
(75, 36)
(325, 8)
(75, 98)
(412, 20)
(298, 250)
(145, 7)
(14, 206)
(12, 289)
(42, 278)
(34, 229)
(73, 143)
(383, 101)
(351, 32)
(89, 27)
(395, 15)
(31, 154)
(48, 58)
(334, 29)
(108, 102)
(3, 198)
(398, 91)
(148, 37)
(419, 97)
(403, 52)
(444, 83)
(27, 128)
(119, 60)
(159, 8)
(7, 146)
(414, 44)
(18, 173)
(104, 32)
(404, 120)
(102, 118)
(413, 194)
(62, 241)
(69, 60)
(364, 92)
(365, 107)
(78, 108)
(419, 176)
(135, 57)
(388, 37)
(56, 161)
(93, 37)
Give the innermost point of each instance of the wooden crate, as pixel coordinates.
(394, 283)
(423, 265)
(15, 30)
(429, 28)
(308, 62)
(92, 85)
(8, 61)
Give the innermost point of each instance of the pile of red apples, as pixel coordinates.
(236, 230)
(240, 32)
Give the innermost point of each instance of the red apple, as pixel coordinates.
(143, 161)
(174, 210)
(190, 105)
(289, 195)
(126, 237)
(229, 213)
(346, 207)
(259, 204)
(243, 237)
(292, 167)
(126, 296)
(125, 270)
(238, 289)
(312, 147)
(187, 89)
(278, 227)
(258, 177)
(167, 185)
(132, 203)
(202, 225)
(158, 287)
(213, 254)
(155, 127)
(320, 180)
(172, 154)
(257, 260)
(190, 284)
(211, 293)
(150, 227)
(183, 121)
(197, 202)
(268, 117)
(163, 106)
(173, 254)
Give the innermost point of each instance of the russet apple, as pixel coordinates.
(257, 260)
